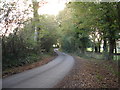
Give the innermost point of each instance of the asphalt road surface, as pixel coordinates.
(46, 76)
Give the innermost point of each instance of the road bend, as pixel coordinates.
(46, 76)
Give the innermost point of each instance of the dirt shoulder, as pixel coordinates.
(27, 67)
(90, 73)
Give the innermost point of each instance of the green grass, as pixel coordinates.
(116, 57)
(89, 49)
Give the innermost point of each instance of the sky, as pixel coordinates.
(52, 7)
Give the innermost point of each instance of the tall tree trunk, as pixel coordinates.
(99, 48)
(96, 48)
(111, 34)
(118, 10)
(115, 48)
(36, 19)
(111, 48)
(105, 45)
(105, 49)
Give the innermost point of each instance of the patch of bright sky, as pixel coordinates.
(52, 7)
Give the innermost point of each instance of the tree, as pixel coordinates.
(96, 20)
(18, 45)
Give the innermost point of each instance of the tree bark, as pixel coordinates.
(99, 48)
(105, 45)
(115, 48)
(96, 49)
(111, 48)
(35, 8)
(118, 10)
(105, 49)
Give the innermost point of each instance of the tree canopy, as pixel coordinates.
(79, 26)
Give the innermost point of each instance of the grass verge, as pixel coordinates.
(35, 61)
